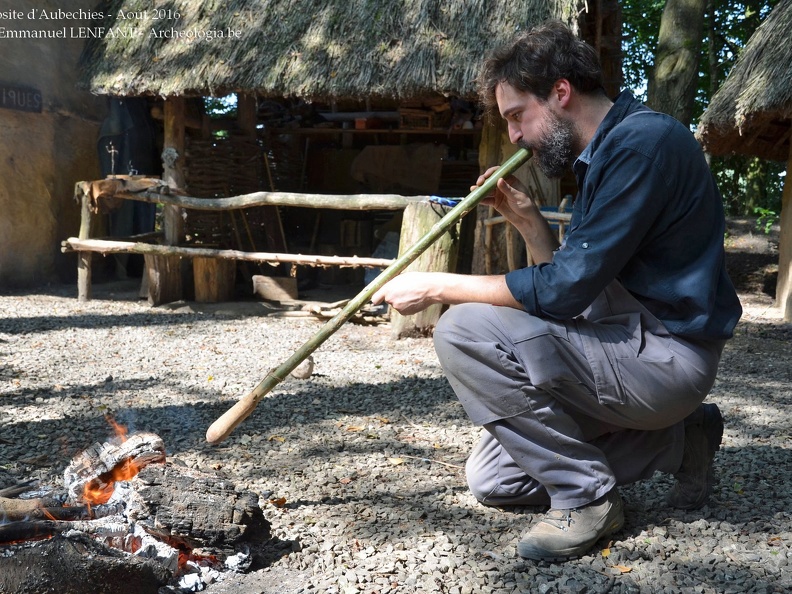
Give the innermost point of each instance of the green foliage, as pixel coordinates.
(747, 183)
(766, 219)
(641, 26)
(221, 107)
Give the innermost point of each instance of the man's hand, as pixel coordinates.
(409, 293)
(511, 199)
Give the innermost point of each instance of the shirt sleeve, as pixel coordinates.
(619, 203)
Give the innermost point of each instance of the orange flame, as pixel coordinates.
(100, 489)
(120, 430)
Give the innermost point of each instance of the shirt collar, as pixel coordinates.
(623, 103)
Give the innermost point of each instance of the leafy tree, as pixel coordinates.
(749, 185)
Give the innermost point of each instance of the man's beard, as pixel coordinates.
(554, 154)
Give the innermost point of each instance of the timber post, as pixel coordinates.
(784, 284)
(165, 276)
(84, 258)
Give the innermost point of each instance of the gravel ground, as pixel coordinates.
(360, 467)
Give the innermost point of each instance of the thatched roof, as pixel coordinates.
(751, 114)
(315, 49)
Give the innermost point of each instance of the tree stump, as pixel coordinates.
(164, 279)
(214, 279)
(441, 256)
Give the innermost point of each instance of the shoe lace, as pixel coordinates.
(560, 518)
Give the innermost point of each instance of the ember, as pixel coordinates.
(125, 504)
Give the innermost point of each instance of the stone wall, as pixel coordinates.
(42, 153)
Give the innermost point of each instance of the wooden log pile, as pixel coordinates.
(156, 527)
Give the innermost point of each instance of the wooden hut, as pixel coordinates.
(751, 114)
(381, 73)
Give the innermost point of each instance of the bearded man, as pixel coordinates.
(589, 369)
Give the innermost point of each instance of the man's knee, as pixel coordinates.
(466, 320)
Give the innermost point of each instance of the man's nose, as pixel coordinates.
(515, 134)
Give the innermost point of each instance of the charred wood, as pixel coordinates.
(196, 509)
(12, 510)
(77, 565)
(32, 529)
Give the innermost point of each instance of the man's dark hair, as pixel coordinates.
(535, 59)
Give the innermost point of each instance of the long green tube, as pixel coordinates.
(224, 425)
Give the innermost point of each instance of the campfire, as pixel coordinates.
(125, 512)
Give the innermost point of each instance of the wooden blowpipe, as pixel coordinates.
(226, 423)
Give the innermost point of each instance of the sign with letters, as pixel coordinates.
(19, 98)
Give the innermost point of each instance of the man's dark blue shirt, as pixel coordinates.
(648, 214)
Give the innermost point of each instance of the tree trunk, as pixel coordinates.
(674, 79)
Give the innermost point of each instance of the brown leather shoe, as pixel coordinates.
(567, 533)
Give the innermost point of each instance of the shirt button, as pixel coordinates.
(584, 245)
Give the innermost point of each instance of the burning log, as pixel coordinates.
(31, 530)
(12, 510)
(91, 475)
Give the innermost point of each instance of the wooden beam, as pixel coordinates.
(103, 246)
(550, 216)
(173, 165)
(247, 114)
(165, 277)
(298, 199)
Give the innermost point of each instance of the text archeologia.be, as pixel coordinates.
(122, 32)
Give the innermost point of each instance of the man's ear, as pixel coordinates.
(562, 92)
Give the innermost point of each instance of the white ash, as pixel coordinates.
(153, 548)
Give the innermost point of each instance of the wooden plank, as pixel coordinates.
(275, 288)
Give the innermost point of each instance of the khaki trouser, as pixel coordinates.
(571, 408)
